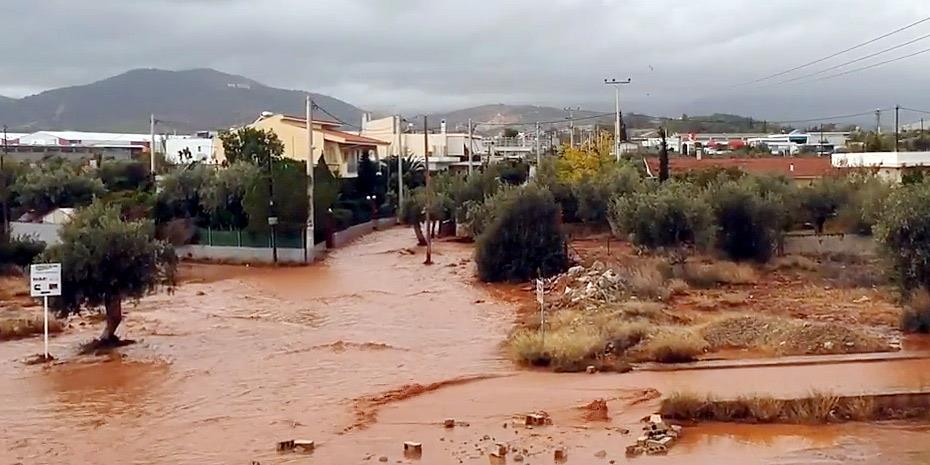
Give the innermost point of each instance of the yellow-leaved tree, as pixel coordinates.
(589, 160)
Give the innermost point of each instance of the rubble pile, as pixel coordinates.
(658, 437)
(597, 283)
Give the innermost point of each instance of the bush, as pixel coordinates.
(56, 184)
(124, 175)
(747, 222)
(593, 194)
(713, 274)
(342, 218)
(677, 346)
(20, 251)
(903, 230)
(821, 200)
(524, 240)
(671, 215)
(916, 317)
(867, 194)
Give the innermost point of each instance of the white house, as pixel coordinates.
(202, 149)
(86, 139)
(889, 165)
(445, 148)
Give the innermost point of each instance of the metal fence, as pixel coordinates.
(244, 238)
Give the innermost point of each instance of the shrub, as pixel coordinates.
(20, 251)
(821, 200)
(646, 281)
(916, 317)
(56, 184)
(561, 349)
(867, 194)
(524, 240)
(124, 175)
(671, 215)
(747, 222)
(593, 194)
(342, 219)
(709, 275)
(674, 346)
(903, 231)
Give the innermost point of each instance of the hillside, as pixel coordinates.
(199, 99)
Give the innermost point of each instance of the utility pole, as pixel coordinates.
(538, 154)
(429, 229)
(896, 110)
(663, 157)
(571, 126)
(6, 205)
(471, 147)
(152, 145)
(272, 217)
(878, 121)
(309, 240)
(400, 162)
(617, 84)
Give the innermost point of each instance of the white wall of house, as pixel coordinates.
(202, 149)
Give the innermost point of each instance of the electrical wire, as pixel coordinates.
(875, 65)
(833, 55)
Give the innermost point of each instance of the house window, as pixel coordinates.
(352, 161)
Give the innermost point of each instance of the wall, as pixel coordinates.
(44, 232)
(352, 233)
(812, 244)
(201, 148)
(244, 254)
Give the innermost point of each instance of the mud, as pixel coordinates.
(240, 358)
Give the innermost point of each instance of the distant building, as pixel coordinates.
(36, 153)
(12, 138)
(340, 150)
(200, 149)
(85, 139)
(445, 149)
(892, 166)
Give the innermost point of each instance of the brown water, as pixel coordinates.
(362, 352)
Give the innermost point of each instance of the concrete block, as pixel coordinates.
(591, 369)
(500, 449)
(413, 449)
(560, 454)
(304, 445)
(286, 445)
(449, 423)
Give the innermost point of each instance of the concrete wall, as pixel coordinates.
(350, 234)
(44, 232)
(264, 255)
(244, 254)
(812, 244)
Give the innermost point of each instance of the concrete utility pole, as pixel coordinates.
(309, 233)
(538, 153)
(401, 151)
(152, 145)
(6, 206)
(896, 110)
(614, 82)
(471, 147)
(429, 232)
(571, 126)
(878, 121)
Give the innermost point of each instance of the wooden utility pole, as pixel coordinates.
(471, 146)
(896, 137)
(429, 229)
(6, 193)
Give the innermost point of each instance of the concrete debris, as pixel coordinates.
(538, 419)
(600, 454)
(383, 458)
(591, 369)
(658, 437)
(560, 454)
(518, 458)
(449, 423)
(413, 449)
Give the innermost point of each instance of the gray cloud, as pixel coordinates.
(418, 55)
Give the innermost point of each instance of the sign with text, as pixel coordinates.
(45, 279)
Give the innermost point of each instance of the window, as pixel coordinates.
(352, 161)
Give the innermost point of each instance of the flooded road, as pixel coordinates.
(362, 352)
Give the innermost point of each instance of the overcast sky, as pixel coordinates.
(428, 55)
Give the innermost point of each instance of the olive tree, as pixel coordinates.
(106, 260)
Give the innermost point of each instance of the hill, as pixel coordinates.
(198, 99)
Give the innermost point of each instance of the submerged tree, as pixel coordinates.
(106, 260)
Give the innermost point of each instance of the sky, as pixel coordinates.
(683, 56)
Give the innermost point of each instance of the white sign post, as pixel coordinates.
(45, 281)
(540, 293)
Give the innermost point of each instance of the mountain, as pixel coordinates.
(183, 101)
(525, 116)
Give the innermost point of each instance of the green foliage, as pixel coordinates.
(670, 215)
(124, 175)
(510, 132)
(290, 198)
(325, 195)
(367, 180)
(903, 230)
(514, 173)
(56, 184)
(413, 169)
(251, 145)
(867, 194)
(105, 259)
(593, 194)
(706, 177)
(20, 251)
(747, 222)
(547, 177)
(181, 191)
(412, 211)
(821, 200)
(524, 240)
(223, 194)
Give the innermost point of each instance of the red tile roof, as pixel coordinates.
(795, 167)
(355, 138)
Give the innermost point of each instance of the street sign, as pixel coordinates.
(45, 279)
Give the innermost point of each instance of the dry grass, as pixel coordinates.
(916, 317)
(818, 408)
(784, 336)
(707, 275)
(677, 286)
(734, 300)
(652, 311)
(793, 262)
(18, 328)
(672, 346)
(646, 281)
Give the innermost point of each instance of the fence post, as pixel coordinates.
(238, 238)
(209, 235)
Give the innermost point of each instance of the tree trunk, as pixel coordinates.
(114, 306)
(418, 229)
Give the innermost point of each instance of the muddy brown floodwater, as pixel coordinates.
(366, 350)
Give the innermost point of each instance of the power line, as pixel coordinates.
(881, 52)
(828, 118)
(863, 44)
(875, 65)
(916, 111)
